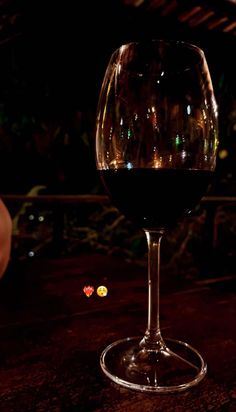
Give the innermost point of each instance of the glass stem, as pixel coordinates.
(152, 339)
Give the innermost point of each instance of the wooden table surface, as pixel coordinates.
(51, 335)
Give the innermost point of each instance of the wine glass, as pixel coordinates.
(156, 144)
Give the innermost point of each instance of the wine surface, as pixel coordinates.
(155, 198)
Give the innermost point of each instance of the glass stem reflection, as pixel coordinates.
(152, 339)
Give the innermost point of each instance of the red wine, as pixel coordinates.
(155, 198)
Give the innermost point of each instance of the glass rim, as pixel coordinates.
(183, 43)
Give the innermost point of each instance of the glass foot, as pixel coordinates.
(174, 368)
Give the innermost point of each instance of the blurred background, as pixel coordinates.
(53, 57)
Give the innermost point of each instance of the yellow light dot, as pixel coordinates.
(223, 154)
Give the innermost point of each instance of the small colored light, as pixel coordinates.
(177, 140)
(223, 154)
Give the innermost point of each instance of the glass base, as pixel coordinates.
(174, 368)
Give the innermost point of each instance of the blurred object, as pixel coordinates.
(47, 149)
(10, 20)
(58, 225)
(135, 3)
(5, 237)
(219, 16)
(23, 210)
(226, 168)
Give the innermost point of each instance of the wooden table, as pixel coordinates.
(51, 335)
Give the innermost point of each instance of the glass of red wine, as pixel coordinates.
(156, 144)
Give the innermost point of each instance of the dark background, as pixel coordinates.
(52, 60)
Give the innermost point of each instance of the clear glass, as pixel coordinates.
(156, 143)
